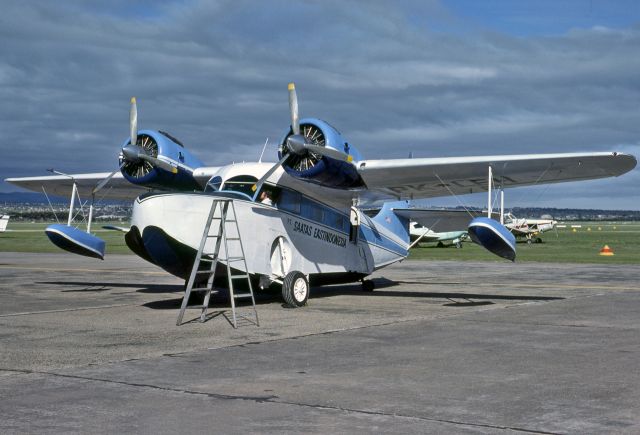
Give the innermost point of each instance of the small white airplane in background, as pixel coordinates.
(4, 220)
(421, 234)
(528, 228)
(311, 229)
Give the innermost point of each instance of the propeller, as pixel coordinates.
(298, 144)
(134, 152)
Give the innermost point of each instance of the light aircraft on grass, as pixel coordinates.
(310, 230)
(530, 229)
(421, 234)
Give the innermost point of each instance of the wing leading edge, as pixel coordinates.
(117, 188)
(433, 177)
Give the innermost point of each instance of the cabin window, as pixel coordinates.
(312, 210)
(241, 183)
(334, 220)
(290, 201)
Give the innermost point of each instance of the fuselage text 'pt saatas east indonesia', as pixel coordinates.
(299, 220)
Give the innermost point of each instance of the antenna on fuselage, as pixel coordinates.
(263, 148)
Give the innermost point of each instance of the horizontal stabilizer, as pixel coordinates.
(494, 237)
(441, 220)
(75, 241)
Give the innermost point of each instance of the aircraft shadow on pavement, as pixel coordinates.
(456, 299)
(104, 286)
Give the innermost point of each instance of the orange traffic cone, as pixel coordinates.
(606, 250)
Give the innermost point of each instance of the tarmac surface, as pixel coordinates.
(440, 347)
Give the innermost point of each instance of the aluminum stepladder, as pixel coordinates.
(223, 212)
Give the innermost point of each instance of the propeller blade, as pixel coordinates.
(293, 108)
(329, 152)
(133, 122)
(256, 187)
(104, 182)
(158, 163)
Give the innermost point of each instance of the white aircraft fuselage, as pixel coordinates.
(305, 229)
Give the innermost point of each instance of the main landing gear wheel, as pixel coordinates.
(368, 285)
(295, 289)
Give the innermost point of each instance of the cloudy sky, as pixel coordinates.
(435, 78)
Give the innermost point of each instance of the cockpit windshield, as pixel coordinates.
(240, 183)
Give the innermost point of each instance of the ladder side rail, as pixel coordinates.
(246, 267)
(229, 278)
(196, 263)
(214, 262)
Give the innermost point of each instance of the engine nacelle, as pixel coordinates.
(161, 145)
(322, 170)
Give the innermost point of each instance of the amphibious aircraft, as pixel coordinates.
(311, 229)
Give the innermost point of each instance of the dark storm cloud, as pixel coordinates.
(393, 77)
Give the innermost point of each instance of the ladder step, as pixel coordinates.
(230, 259)
(242, 295)
(233, 238)
(203, 272)
(239, 276)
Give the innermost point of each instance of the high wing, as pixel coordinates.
(117, 188)
(60, 185)
(433, 177)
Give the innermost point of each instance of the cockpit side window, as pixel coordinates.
(240, 183)
(213, 185)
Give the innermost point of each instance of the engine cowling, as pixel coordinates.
(323, 170)
(161, 145)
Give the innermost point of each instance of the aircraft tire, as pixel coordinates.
(368, 285)
(538, 240)
(529, 241)
(295, 289)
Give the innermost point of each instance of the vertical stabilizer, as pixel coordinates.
(387, 218)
